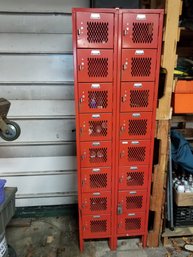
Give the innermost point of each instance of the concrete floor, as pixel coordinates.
(58, 237)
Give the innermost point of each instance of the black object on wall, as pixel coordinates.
(129, 4)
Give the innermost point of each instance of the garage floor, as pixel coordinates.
(58, 237)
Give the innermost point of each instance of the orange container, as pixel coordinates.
(183, 97)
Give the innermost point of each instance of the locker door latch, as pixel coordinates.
(119, 209)
(125, 65)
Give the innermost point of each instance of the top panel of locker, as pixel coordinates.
(97, 28)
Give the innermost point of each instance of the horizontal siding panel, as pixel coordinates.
(37, 23)
(24, 166)
(42, 5)
(35, 68)
(46, 131)
(37, 92)
(8, 150)
(43, 184)
(45, 200)
(41, 109)
(35, 43)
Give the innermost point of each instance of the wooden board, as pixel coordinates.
(158, 183)
(177, 232)
(173, 9)
(183, 199)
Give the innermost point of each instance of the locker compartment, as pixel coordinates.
(131, 224)
(95, 126)
(133, 177)
(134, 152)
(95, 30)
(96, 226)
(138, 64)
(132, 201)
(140, 30)
(135, 125)
(96, 203)
(93, 179)
(95, 97)
(95, 65)
(95, 154)
(137, 96)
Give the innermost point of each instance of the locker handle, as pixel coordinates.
(137, 85)
(119, 209)
(132, 192)
(126, 31)
(96, 193)
(123, 99)
(96, 143)
(122, 154)
(131, 214)
(122, 129)
(96, 170)
(136, 115)
(81, 67)
(79, 32)
(125, 65)
(81, 100)
(96, 116)
(96, 217)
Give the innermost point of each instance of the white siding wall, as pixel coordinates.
(36, 75)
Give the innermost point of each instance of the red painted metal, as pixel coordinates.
(96, 203)
(97, 126)
(131, 224)
(96, 226)
(135, 125)
(137, 96)
(95, 65)
(95, 30)
(133, 177)
(94, 179)
(140, 30)
(138, 64)
(95, 97)
(116, 73)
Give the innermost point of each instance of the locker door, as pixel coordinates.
(96, 97)
(138, 65)
(140, 30)
(95, 65)
(137, 96)
(95, 30)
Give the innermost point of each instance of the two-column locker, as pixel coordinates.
(116, 61)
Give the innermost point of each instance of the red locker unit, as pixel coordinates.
(116, 71)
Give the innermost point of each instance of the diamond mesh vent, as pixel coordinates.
(98, 226)
(135, 178)
(98, 204)
(142, 33)
(98, 67)
(139, 98)
(136, 154)
(137, 127)
(141, 66)
(97, 99)
(97, 32)
(98, 180)
(134, 202)
(132, 224)
(98, 128)
(97, 155)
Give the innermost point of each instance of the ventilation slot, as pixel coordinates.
(97, 32)
(98, 226)
(98, 204)
(134, 202)
(136, 154)
(98, 155)
(140, 67)
(97, 100)
(142, 33)
(133, 224)
(98, 67)
(135, 178)
(137, 127)
(98, 181)
(139, 98)
(98, 128)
